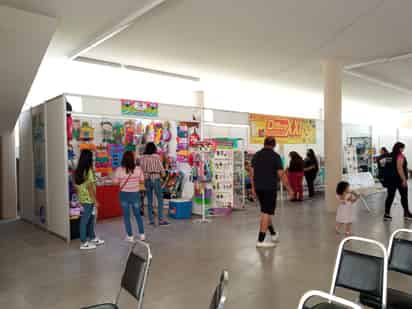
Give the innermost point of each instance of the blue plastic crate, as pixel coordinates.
(180, 209)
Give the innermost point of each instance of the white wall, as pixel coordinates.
(8, 176)
(57, 168)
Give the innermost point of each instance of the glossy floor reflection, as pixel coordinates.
(38, 270)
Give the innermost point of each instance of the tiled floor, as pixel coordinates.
(38, 270)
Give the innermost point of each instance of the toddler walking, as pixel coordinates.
(344, 216)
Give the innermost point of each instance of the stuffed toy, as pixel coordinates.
(129, 132)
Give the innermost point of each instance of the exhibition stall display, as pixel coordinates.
(53, 134)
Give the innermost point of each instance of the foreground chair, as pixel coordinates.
(334, 301)
(219, 296)
(134, 277)
(359, 272)
(400, 261)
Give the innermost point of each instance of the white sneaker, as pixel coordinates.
(265, 244)
(97, 241)
(275, 238)
(142, 237)
(87, 246)
(130, 239)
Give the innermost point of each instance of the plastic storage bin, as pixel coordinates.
(180, 209)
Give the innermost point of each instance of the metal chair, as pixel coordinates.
(400, 261)
(334, 301)
(361, 273)
(134, 277)
(219, 296)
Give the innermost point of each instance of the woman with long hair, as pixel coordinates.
(129, 177)
(153, 169)
(295, 175)
(311, 169)
(397, 181)
(85, 183)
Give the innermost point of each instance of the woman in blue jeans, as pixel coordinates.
(85, 182)
(153, 169)
(129, 177)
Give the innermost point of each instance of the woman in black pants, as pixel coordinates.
(311, 171)
(397, 180)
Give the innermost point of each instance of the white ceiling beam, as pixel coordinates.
(116, 29)
(378, 81)
(378, 61)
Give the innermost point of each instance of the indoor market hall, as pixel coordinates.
(205, 154)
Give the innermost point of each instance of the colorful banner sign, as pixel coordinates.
(139, 108)
(286, 130)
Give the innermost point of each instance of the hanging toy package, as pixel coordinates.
(107, 131)
(86, 132)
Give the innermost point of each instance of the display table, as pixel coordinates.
(108, 197)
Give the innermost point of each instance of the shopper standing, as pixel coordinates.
(381, 161)
(153, 169)
(397, 180)
(267, 169)
(311, 171)
(295, 175)
(129, 177)
(85, 182)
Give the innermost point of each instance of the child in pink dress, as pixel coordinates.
(344, 215)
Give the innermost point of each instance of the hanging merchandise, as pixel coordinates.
(201, 176)
(116, 153)
(102, 165)
(107, 131)
(129, 131)
(167, 134)
(194, 138)
(86, 132)
(182, 140)
(85, 146)
(76, 129)
(158, 133)
(150, 133)
(118, 132)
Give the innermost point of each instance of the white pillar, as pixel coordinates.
(200, 103)
(332, 72)
(8, 206)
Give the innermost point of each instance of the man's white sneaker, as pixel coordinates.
(87, 246)
(142, 237)
(275, 238)
(97, 241)
(263, 244)
(130, 239)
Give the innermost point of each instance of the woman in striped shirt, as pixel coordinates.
(129, 177)
(153, 169)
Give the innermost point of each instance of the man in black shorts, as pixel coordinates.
(267, 169)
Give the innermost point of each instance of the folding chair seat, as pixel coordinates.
(334, 302)
(134, 277)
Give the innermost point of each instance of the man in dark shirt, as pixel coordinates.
(267, 169)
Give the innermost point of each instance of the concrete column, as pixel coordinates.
(332, 72)
(8, 174)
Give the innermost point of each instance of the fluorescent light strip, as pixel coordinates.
(137, 69)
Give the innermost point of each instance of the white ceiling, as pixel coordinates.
(24, 40)
(269, 42)
(279, 42)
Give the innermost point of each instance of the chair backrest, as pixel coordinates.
(219, 296)
(331, 298)
(136, 271)
(361, 272)
(400, 253)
